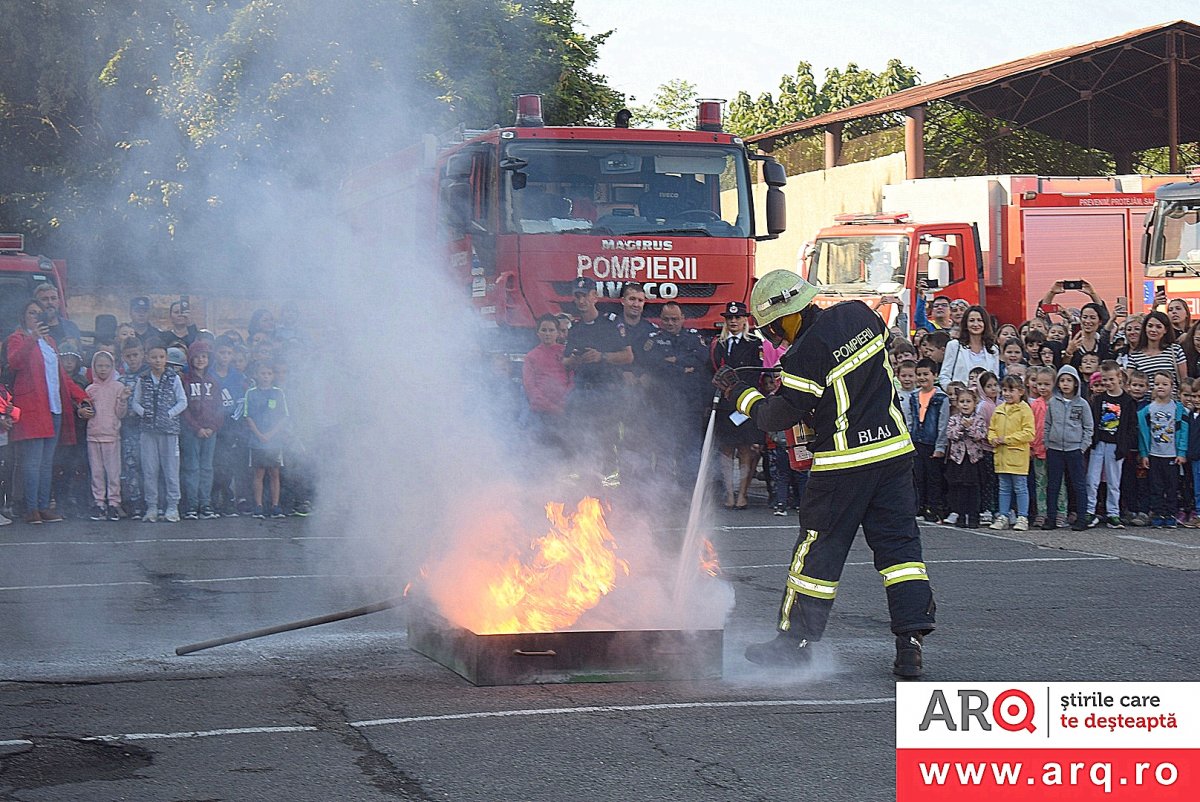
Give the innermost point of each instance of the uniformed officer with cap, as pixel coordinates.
(597, 351)
(836, 373)
(676, 364)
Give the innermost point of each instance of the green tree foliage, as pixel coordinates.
(130, 128)
(673, 106)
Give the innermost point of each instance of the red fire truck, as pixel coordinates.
(524, 211)
(1017, 235)
(20, 274)
(1171, 243)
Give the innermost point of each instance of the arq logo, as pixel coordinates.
(1011, 710)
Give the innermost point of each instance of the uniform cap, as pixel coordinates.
(779, 293)
(735, 309)
(140, 303)
(582, 285)
(176, 356)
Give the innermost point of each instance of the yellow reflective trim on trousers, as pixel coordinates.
(748, 399)
(812, 587)
(796, 568)
(863, 455)
(904, 572)
(801, 384)
(860, 356)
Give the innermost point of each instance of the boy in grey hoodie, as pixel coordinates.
(1068, 434)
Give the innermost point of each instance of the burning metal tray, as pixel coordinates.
(551, 657)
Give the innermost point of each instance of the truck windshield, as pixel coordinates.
(625, 188)
(860, 263)
(1178, 233)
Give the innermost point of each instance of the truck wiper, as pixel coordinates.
(703, 232)
(1189, 267)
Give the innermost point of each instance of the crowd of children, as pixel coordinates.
(1088, 443)
(170, 425)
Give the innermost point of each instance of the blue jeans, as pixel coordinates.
(1011, 484)
(37, 467)
(196, 468)
(1072, 463)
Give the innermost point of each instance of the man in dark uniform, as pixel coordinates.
(836, 372)
(139, 318)
(676, 364)
(596, 350)
(636, 446)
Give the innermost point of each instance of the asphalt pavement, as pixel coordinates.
(96, 706)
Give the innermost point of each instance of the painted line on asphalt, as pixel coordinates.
(1096, 558)
(1159, 542)
(143, 541)
(192, 581)
(16, 742)
(545, 711)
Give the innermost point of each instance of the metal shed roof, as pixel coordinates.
(1111, 94)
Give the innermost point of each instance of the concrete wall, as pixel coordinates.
(814, 198)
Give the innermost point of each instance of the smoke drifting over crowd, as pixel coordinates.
(418, 461)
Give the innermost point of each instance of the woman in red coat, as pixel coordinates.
(33, 359)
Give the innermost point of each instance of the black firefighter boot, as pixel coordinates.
(785, 651)
(908, 656)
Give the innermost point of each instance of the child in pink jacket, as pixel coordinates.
(109, 399)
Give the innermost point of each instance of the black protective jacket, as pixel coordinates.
(837, 374)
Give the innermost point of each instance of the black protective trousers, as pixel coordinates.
(880, 498)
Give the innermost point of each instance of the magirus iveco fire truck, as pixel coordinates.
(524, 211)
(1171, 243)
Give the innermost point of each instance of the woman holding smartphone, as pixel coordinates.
(1090, 338)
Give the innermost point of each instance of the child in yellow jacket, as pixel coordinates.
(1011, 432)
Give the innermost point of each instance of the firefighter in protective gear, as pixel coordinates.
(837, 378)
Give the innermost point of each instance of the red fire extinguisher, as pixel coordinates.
(799, 456)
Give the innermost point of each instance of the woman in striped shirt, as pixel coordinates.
(1157, 350)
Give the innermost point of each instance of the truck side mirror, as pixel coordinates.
(938, 248)
(938, 272)
(773, 173)
(776, 212)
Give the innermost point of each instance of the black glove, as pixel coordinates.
(726, 380)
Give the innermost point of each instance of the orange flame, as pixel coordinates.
(709, 561)
(572, 567)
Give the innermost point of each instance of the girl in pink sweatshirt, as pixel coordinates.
(109, 399)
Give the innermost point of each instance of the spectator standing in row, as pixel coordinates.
(159, 400)
(966, 434)
(266, 415)
(133, 365)
(182, 329)
(69, 484)
(1162, 447)
(139, 319)
(1068, 434)
(110, 402)
(230, 460)
(927, 415)
(596, 351)
(736, 435)
(1115, 432)
(546, 383)
(61, 329)
(47, 399)
(9, 413)
(975, 347)
(679, 393)
(1011, 432)
(1091, 338)
(1156, 350)
(200, 423)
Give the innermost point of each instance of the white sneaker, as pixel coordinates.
(172, 515)
(1022, 524)
(1001, 522)
(5, 521)
(951, 519)
(151, 516)
(985, 518)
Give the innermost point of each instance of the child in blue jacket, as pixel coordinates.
(1163, 447)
